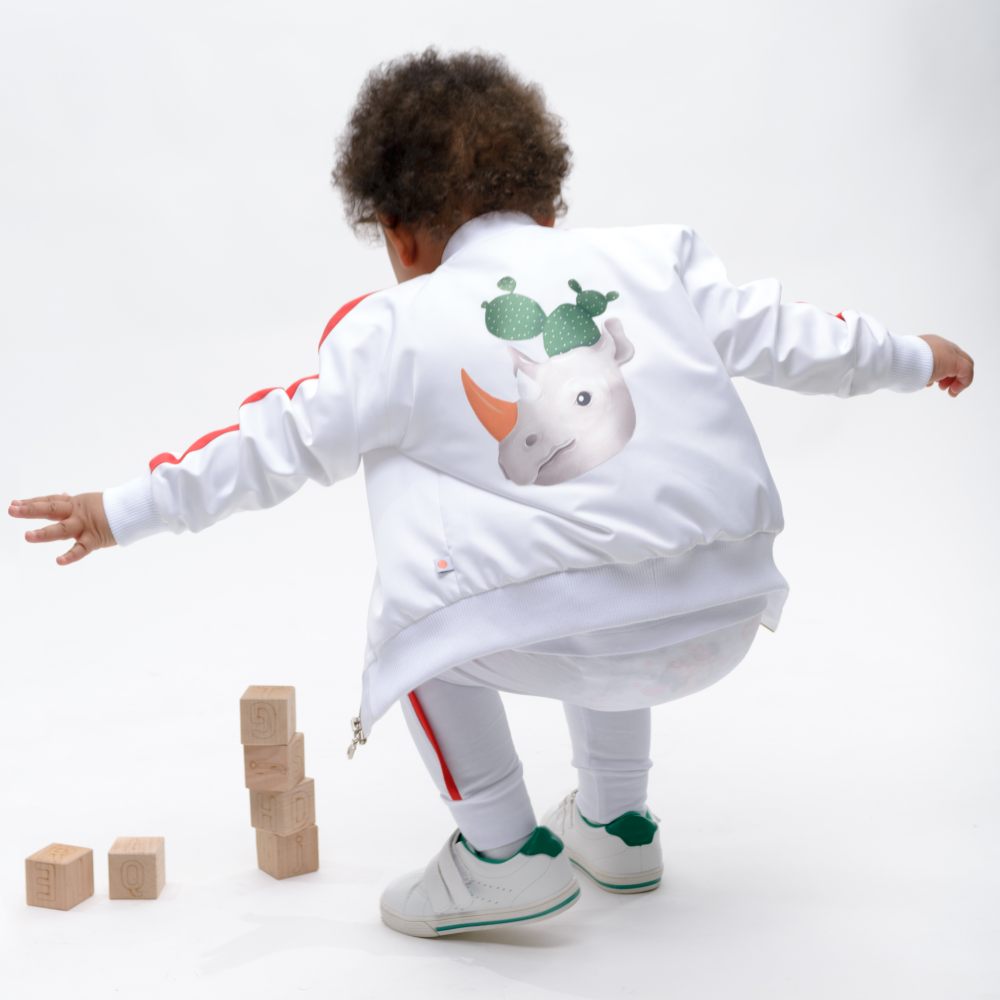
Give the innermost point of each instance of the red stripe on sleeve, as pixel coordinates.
(339, 315)
(200, 443)
(839, 315)
(166, 456)
(449, 781)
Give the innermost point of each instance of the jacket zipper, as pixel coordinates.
(358, 737)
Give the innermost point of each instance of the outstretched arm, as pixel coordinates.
(799, 346)
(317, 428)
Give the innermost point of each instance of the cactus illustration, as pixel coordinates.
(571, 324)
(513, 316)
(517, 317)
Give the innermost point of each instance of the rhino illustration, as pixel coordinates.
(573, 411)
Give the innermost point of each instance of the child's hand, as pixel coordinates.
(952, 366)
(81, 517)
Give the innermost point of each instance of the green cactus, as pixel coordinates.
(516, 317)
(592, 303)
(512, 316)
(571, 324)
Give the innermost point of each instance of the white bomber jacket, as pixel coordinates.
(551, 438)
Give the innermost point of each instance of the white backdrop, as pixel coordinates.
(169, 243)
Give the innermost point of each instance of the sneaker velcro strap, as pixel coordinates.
(444, 883)
(437, 891)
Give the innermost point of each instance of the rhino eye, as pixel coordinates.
(583, 398)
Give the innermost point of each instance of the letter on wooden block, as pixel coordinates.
(275, 768)
(284, 812)
(135, 868)
(59, 876)
(267, 715)
(294, 854)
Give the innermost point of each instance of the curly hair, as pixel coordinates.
(433, 141)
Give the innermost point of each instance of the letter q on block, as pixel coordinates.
(136, 868)
(267, 715)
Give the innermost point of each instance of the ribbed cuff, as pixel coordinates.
(131, 512)
(912, 363)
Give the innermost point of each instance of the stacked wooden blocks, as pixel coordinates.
(282, 798)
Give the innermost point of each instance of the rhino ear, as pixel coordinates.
(522, 361)
(527, 387)
(613, 338)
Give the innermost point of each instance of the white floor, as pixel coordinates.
(829, 809)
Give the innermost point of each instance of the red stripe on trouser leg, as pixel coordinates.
(449, 781)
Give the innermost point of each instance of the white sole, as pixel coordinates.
(460, 923)
(609, 882)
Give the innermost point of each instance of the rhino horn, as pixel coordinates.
(498, 416)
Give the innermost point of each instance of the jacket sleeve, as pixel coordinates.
(317, 428)
(796, 345)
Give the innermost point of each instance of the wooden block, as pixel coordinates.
(277, 768)
(135, 868)
(294, 854)
(59, 876)
(267, 716)
(284, 812)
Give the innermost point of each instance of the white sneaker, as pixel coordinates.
(621, 856)
(461, 891)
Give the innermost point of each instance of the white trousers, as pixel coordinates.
(463, 737)
(460, 728)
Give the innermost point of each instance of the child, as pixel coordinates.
(567, 496)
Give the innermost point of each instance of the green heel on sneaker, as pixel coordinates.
(621, 856)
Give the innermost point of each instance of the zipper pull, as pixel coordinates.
(357, 738)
